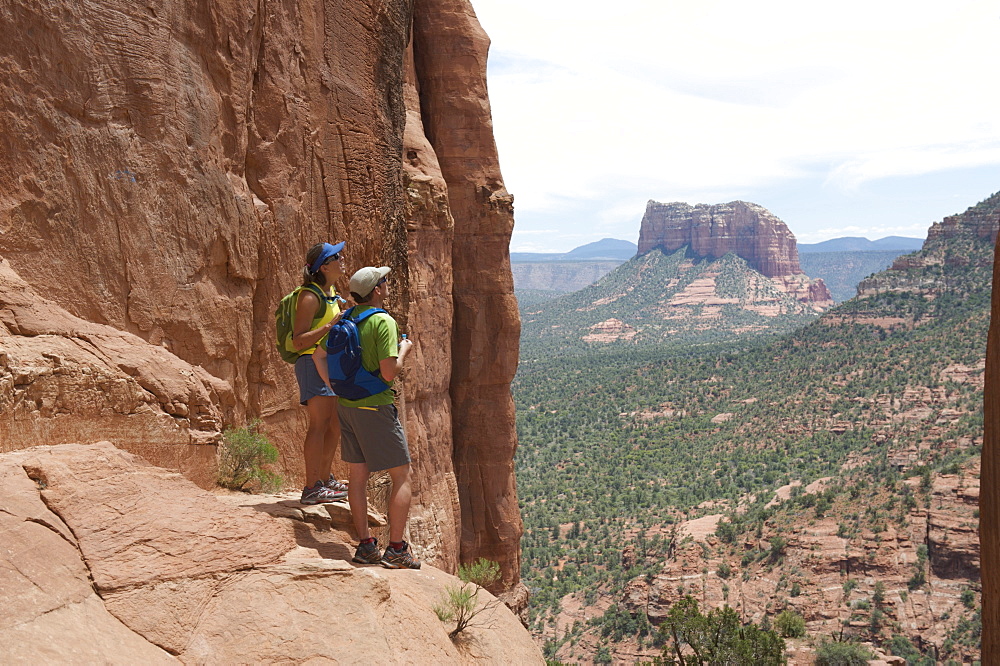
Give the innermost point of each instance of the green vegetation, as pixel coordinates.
(243, 454)
(842, 271)
(835, 653)
(619, 445)
(790, 624)
(717, 638)
(461, 602)
(639, 293)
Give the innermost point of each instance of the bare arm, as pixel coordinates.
(305, 311)
(319, 358)
(390, 367)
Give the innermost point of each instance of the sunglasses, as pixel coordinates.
(335, 257)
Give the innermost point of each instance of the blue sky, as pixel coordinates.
(864, 118)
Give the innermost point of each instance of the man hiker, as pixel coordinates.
(372, 438)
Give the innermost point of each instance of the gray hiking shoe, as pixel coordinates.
(338, 488)
(319, 494)
(399, 559)
(367, 553)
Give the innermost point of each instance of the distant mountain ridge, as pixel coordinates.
(858, 244)
(606, 249)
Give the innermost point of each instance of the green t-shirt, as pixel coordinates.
(379, 337)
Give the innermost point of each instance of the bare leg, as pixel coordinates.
(357, 498)
(319, 409)
(399, 501)
(331, 443)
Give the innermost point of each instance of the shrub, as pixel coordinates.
(242, 456)
(917, 580)
(717, 638)
(461, 602)
(790, 624)
(842, 654)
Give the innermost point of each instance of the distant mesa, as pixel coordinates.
(745, 229)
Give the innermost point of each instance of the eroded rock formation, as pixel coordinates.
(107, 559)
(989, 499)
(165, 167)
(746, 229)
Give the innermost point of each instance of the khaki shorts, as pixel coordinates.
(372, 435)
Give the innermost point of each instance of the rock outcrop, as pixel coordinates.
(107, 559)
(746, 229)
(164, 170)
(959, 249)
(989, 499)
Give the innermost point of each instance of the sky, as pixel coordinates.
(865, 118)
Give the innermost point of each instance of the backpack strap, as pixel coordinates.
(315, 288)
(364, 315)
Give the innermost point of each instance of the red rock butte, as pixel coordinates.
(745, 229)
(165, 168)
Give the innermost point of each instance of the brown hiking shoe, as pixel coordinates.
(399, 559)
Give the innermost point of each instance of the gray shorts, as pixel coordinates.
(310, 383)
(372, 435)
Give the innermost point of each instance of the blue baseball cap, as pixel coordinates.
(328, 251)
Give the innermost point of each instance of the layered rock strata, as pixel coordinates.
(107, 559)
(164, 170)
(745, 229)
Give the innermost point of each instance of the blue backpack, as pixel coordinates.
(343, 347)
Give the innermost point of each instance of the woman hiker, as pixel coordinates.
(314, 316)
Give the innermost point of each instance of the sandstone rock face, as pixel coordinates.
(745, 229)
(450, 56)
(106, 559)
(989, 499)
(957, 247)
(164, 168)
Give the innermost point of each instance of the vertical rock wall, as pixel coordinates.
(450, 51)
(989, 497)
(164, 167)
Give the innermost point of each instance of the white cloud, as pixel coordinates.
(607, 104)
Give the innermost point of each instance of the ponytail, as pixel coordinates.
(308, 276)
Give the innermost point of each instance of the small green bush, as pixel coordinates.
(790, 624)
(242, 456)
(461, 603)
(482, 572)
(842, 654)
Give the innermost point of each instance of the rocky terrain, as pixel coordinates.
(675, 298)
(164, 169)
(868, 421)
(747, 230)
(825, 567)
(107, 559)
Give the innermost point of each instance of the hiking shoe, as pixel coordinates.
(399, 559)
(339, 488)
(367, 553)
(319, 494)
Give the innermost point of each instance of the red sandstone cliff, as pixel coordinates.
(745, 229)
(165, 166)
(989, 498)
